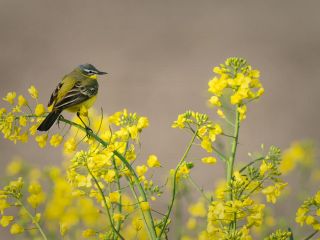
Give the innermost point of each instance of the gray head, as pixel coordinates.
(89, 70)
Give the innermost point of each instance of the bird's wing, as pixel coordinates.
(63, 87)
(78, 94)
(55, 94)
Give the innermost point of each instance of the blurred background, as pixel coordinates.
(160, 56)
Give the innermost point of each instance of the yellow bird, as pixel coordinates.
(78, 88)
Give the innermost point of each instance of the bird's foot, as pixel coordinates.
(60, 118)
(89, 131)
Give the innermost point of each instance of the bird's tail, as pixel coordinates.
(49, 120)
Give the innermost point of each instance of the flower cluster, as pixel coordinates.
(246, 212)
(239, 81)
(309, 212)
(11, 196)
(279, 235)
(262, 174)
(19, 121)
(207, 130)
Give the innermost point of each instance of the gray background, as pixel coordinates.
(159, 55)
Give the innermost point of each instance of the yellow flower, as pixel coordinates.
(33, 129)
(143, 122)
(220, 113)
(216, 86)
(137, 223)
(209, 160)
(264, 167)
(3, 205)
(33, 92)
(16, 229)
(55, 140)
(214, 100)
(242, 112)
(42, 140)
(22, 101)
(217, 129)
(183, 170)
(34, 188)
(179, 123)
(153, 161)
(260, 92)
(24, 137)
(310, 220)
(144, 206)
(36, 199)
(114, 197)
(206, 144)
(272, 192)
(14, 167)
(70, 145)
(89, 233)
(10, 97)
(2, 111)
(141, 170)
(109, 177)
(23, 121)
(117, 217)
(133, 130)
(6, 220)
(39, 110)
(191, 223)
(197, 210)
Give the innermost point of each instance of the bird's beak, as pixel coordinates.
(101, 73)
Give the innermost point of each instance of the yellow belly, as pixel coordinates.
(88, 104)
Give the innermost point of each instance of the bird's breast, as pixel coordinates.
(87, 104)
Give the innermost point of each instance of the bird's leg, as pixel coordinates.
(60, 118)
(88, 129)
(89, 123)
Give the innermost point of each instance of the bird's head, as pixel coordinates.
(90, 70)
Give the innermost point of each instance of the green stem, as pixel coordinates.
(33, 220)
(175, 183)
(199, 189)
(105, 203)
(230, 161)
(119, 190)
(251, 163)
(230, 164)
(311, 235)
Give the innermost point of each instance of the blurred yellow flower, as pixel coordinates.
(5, 220)
(22, 101)
(39, 110)
(153, 161)
(42, 140)
(14, 167)
(10, 97)
(55, 140)
(209, 160)
(144, 206)
(197, 209)
(114, 197)
(33, 92)
(16, 229)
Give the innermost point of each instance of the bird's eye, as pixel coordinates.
(89, 72)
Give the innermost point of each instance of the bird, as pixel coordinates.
(78, 88)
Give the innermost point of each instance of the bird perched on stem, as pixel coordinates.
(77, 89)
